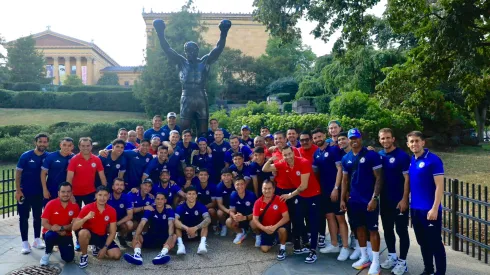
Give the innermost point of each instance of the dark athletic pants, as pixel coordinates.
(391, 219)
(64, 243)
(34, 202)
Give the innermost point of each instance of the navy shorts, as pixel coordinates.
(244, 225)
(328, 206)
(359, 216)
(153, 240)
(268, 240)
(100, 240)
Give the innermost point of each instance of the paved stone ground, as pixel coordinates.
(223, 257)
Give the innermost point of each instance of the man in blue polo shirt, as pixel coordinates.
(29, 191)
(191, 219)
(54, 169)
(328, 168)
(258, 176)
(241, 204)
(203, 157)
(394, 198)
(114, 164)
(176, 158)
(426, 185)
(189, 177)
(171, 125)
(122, 133)
(363, 180)
(123, 205)
(157, 164)
(142, 200)
(236, 147)
(160, 233)
(156, 130)
(223, 192)
(238, 168)
(245, 139)
(187, 145)
(206, 194)
(213, 126)
(171, 190)
(136, 164)
(292, 136)
(219, 148)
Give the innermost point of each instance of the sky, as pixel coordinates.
(117, 27)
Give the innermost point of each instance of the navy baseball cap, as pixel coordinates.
(165, 170)
(245, 127)
(354, 132)
(202, 139)
(148, 180)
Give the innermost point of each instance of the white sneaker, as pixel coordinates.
(45, 259)
(26, 248)
(330, 249)
(258, 240)
(224, 231)
(400, 268)
(202, 248)
(374, 269)
(180, 249)
(344, 254)
(361, 263)
(38, 243)
(389, 263)
(240, 237)
(356, 254)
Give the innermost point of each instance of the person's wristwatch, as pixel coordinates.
(336, 188)
(62, 228)
(376, 198)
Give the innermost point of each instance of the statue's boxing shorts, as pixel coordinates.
(194, 105)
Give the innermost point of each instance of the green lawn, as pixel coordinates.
(51, 116)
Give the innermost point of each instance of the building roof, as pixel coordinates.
(74, 43)
(204, 15)
(128, 69)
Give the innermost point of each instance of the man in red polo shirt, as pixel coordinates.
(307, 149)
(57, 220)
(270, 214)
(306, 198)
(95, 221)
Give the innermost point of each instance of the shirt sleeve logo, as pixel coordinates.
(421, 164)
(70, 213)
(362, 160)
(121, 205)
(106, 218)
(275, 207)
(196, 212)
(93, 164)
(392, 160)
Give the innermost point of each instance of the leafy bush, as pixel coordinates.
(322, 103)
(104, 101)
(26, 86)
(13, 147)
(287, 107)
(310, 87)
(92, 88)
(254, 108)
(73, 80)
(286, 85)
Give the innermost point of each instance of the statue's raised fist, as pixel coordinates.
(225, 25)
(159, 25)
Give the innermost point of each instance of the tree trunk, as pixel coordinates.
(481, 117)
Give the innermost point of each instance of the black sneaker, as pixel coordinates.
(281, 255)
(122, 241)
(311, 257)
(95, 251)
(321, 242)
(302, 250)
(426, 273)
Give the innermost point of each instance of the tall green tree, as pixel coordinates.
(109, 79)
(4, 74)
(73, 80)
(25, 63)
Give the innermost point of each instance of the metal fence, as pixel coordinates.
(465, 214)
(465, 218)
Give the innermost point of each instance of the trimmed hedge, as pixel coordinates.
(100, 101)
(26, 86)
(92, 88)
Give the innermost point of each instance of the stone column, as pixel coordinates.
(90, 71)
(79, 66)
(56, 75)
(67, 66)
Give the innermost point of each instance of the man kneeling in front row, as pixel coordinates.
(193, 218)
(270, 214)
(95, 221)
(160, 233)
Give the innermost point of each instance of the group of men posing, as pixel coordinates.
(157, 190)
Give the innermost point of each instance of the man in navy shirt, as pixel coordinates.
(213, 126)
(140, 132)
(160, 233)
(171, 190)
(156, 130)
(292, 135)
(426, 185)
(122, 134)
(189, 177)
(246, 140)
(123, 205)
(187, 145)
(136, 164)
(203, 157)
(238, 168)
(191, 219)
(171, 124)
(176, 157)
(29, 191)
(219, 148)
(394, 198)
(334, 130)
(206, 194)
(54, 169)
(328, 168)
(258, 176)
(363, 180)
(236, 147)
(142, 200)
(156, 165)
(223, 192)
(240, 210)
(114, 164)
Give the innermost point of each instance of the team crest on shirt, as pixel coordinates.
(93, 165)
(296, 201)
(177, 153)
(224, 149)
(164, 216)
(121, 205)
(163, 134)
(70, 213)
(147, 203)
(147, 159)
(118, 166)
(326, 154)
(275, 207)
(247, 203)
(207, 192)
(362, 160)
(392, 160)
(298, 173)
(421, 164)
(196, 212)
(106, 218)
